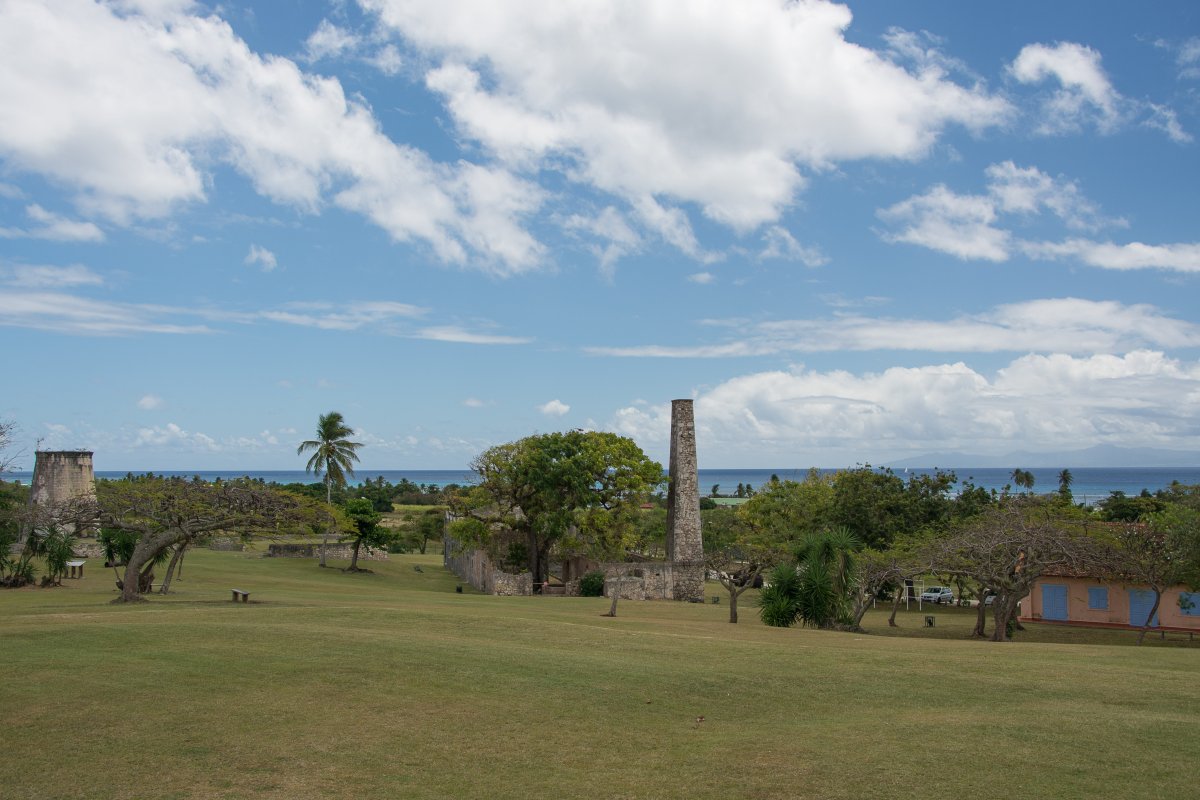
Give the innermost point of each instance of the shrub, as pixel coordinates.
(779, 601)
(592, 584)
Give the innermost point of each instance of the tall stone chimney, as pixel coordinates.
(685, 547)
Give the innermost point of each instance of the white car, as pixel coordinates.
(937, 594)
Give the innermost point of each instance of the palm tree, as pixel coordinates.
(1023, 478)
(1065, 479)
(333, 455)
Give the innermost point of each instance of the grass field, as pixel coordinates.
(392, 685)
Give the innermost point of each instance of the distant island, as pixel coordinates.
(1108, 456)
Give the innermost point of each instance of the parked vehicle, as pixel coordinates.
(938, 594)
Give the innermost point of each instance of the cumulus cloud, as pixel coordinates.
(156, 94)
(150, 402)
(1056, 401)
(554, 408)
(702, 278)
(261, 256)
(1085, 96)
(329, 41)
(172, 435)
(611, 234)
(959, 225)
(1085, 93)
(54, 227)
(1068, 325)
(970, 226)
(667, 102)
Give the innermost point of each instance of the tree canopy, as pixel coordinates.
(577, 492)
(164, 512)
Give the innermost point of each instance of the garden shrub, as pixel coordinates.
(592, 584)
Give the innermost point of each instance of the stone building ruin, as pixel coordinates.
(679, 577)
(60, 478)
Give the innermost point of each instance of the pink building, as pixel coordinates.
(1110, 604)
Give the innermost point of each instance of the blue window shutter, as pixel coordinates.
(1098, 598)
(1189, 603)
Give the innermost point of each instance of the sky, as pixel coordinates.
(853, 233)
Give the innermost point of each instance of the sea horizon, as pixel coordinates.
(1090, 484)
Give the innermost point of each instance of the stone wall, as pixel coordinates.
(477, 569)
(228, 544)
(338, 551)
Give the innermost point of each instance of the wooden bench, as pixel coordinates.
(240, 594)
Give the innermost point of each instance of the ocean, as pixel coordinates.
(1091, 483)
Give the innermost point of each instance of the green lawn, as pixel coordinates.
(392, 685)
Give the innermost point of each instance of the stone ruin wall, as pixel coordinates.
(477, 569)
(342, 552)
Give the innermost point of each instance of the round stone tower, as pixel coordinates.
(59, 477)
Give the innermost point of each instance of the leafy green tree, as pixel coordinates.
(365, 528)
(333, 454)
(1163, 551)
(1011, 545)
(738, 551)
(578, 492)
(160, 513)
(871, 504)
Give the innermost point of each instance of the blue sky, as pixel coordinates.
(853, 233)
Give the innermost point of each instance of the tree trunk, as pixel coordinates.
(175, 561)
(981, 615)
(424, 541)
(1150, 616)
(612, 609)
(143, 556)
(733, 598)
(328, 502)
(1003, 609)
(896, 606)
(354, 556)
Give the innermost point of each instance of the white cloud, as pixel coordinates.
(702, 278)
(1028, 190)
(329, 41)
(453, 333)
(1056, 401)
(670, 102)
(473, 402)
(172, 435)
(1181, 257)
(387, 60)
(959, 225)
(349, 317)
(64, 313)
(779, 243)
(1166, 120)
(261, 256)
(1068, 325)
(1085, 94)
(55, 227)
(617, 238)
(150, 402)
(970, 226)
(554, 408)
(38, 276)
(157, 96)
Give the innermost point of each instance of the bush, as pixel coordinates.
(592, 584)
(779, 602)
